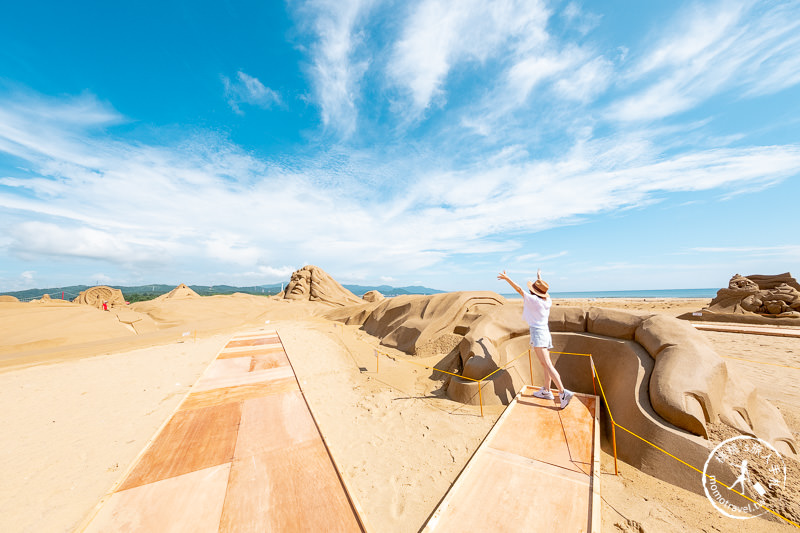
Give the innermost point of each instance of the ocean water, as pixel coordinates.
(660, 293)
(657, 293)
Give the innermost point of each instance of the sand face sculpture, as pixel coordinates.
(755, 299)
(662, 379)
(97, 296)
(311, 283)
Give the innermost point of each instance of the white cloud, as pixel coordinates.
(438, 35)
(249, 90)
(789, 251)
(337, 69)
(708, 50)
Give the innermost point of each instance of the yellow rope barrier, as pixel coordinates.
(614, 424)
(706, 475)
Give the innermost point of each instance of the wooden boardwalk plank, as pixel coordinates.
(249, 351)
(227, 368)
(536, 470)
(253, 342)
(190, 503)
(241, 453)
(292, 489)
(269, 360)
(192, 440)
(245, 378)
(274, 422)
(238, 393)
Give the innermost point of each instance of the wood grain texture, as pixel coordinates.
(253, 342)
(267, 361)
(273, 423)
(246, 378)
(292, 489)
(226, 368)
(249, 351)
(548, 433)
(536, 470)
(187, 503)
(513, 495)
(192, 440)
(238, 393)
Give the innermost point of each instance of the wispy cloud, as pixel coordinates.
(204, 201)
(789, 250)
(438, 35)
(712, 49)
(337, 67)
(246, 89)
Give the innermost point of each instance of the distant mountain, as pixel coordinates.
(148, 292)
(386, 290)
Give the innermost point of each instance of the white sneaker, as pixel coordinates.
(565, 397)
(544, 393)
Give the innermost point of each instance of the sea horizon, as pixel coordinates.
(646, 293)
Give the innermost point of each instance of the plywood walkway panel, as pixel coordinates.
(537, 470)
(241, 453)
(775, 331)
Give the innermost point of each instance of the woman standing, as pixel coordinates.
(536, 312)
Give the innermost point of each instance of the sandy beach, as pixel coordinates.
(74, 419)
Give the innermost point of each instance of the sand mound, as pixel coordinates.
(313, 284)
(41, 325)
(5, 298)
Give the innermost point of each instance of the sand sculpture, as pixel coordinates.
(662, 379)
(755, 299)
(373, 296)
(96, 296)
(311, 283)
(179, 292)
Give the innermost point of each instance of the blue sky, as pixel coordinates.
(615, 145)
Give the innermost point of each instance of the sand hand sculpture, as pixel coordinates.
(661, 377)
(311, 283)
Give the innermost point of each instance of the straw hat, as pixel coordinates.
(539, 287)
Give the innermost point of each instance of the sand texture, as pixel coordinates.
(82, 394)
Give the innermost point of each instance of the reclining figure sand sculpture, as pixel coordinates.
(662, 379)
(755, 299)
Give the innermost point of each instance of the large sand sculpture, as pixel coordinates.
(755, 299)
(97, 296)
(662, 379)
(311, 283)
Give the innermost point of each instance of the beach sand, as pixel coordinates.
(74, 419)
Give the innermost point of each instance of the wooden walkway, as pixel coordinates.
(775, 331)
(537, 470)
(241, 453)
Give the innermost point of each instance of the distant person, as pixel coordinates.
(105, 306)
(536, 312)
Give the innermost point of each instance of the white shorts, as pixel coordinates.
(541, 338)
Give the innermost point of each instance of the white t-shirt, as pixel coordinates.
(535, 310)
